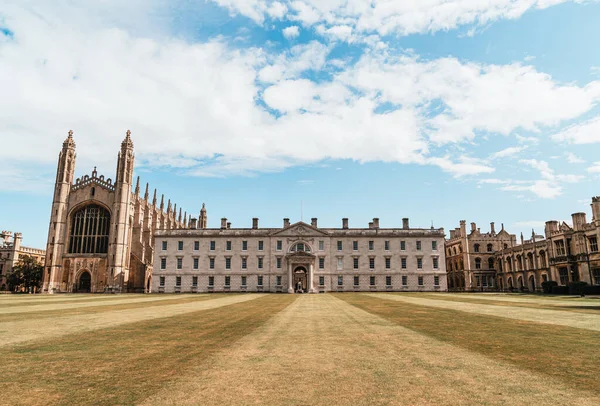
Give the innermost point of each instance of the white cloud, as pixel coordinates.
(291, 32)
(595, 70)
(573, 159)
(465, 166)
(587, 132)
(595, 168)
(538, 225)
(508, 152)
(540, 188)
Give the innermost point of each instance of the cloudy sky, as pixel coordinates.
(437, 110)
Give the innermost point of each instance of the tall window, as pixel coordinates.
(245, 263)
(560, 247)
(386, 245)
(279, 246)
(436, 263)
(388, 281)
(593, 244)
(212, 245)
(260, 280)
(403, 263)
(436, 280)
(178, 281)
(476, 248)
(211, 263)
(596, 273)
(404, 280)
(278, 280)
(196, 263)
(179, 263)
(418, 245)
(321, 245)
(194, 281)
(278, 262)
(244, 245)
(356, 280)
(260, 262)
(243, 280)
(340, 263)
(196, 245)
(261, 245)
(164, 245)
(228, 281)
(321, 263)
(371, 263)
(490, 248)
(388, 263)
(563, 273)
(340, 280)
(321, 280)
(89, 230)
(420, 281)
(228, 245)
(354, 245)
(491, 263)
(180, 246)
(228, 263)
(477, 263)
(355, 260)
(163, 263)
(372, 280)
(211, 281)
(162, 281)
(339, 246)
(419, 263)
(371, 245)
(434, 245)
(402, 245)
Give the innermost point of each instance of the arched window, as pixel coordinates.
(490, 248)
(300, 247)
(491, 263)
(543, 259)
(477, 263)
(454, 250)
(476, 248)
(505, 246)
(530, 259)
(90, 226)
(510, 265)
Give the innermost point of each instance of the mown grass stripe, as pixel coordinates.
(123, 365)
(567, 354)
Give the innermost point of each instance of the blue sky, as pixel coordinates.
(433, 110)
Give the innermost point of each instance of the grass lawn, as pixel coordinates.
(349, 349)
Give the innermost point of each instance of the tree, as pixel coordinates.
(25, 274)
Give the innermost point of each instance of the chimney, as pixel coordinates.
(551, 226)
(375, 222)
(255, 223)
(405, 225)
(578, 221)
(463, 228)
(345, 223)
(286, 222)
(193, 223)
(452, 233)
(17, 241)
(492, 229)
(596, 209)
(223, 223)
(370, 224)
(228, 225)
(313, 222)
(473, 227)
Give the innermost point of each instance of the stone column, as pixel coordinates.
(311, 289)
(290, 279)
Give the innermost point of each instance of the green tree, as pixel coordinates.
(26, 273)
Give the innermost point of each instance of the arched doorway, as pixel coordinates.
(532, 283)
(85, 282)
(520, 282)
(300, 279)
(510, 283)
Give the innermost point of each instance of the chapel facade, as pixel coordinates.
(101, 232)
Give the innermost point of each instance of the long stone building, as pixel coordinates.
(101, 232)
(11, 250)
(298, 257)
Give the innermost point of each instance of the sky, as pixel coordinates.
(435, 110)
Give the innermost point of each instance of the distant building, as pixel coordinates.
(10, 252)
(101, 232)
(523, 266)
(299, 257)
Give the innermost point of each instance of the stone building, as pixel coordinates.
(10, 252)
(101, 232)
(470, 257)
(298, 257)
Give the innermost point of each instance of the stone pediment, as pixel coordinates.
(300, 229)
(564, 227)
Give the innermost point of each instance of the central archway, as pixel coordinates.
(84, 284)
(300, 279)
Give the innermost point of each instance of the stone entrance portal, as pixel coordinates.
(300, 280)
(85, 282)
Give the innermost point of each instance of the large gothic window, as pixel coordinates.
(90, 226)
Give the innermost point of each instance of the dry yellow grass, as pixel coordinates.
(321, 350)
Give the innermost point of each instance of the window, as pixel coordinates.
(564, 276)
(560, 247)
(402, 245)
(403, 263)
(260, 262)
(228, 281)
(436, 263)
(593, 244)
(178, 281)
(388, 281)
(478, 281)
(436, 280)
(243, 280)
(180, 246)
(419, 263)
(355, 260)
(490, 248)
(194, 281)
(434, 245)
(404, 280)
(321, 263)
(420, 281)
(371, 263)
(228, 245)
(211, 281)
(211, 263)
(354, 245)
(299, 247)
(505, 246)
(477, 263)
(321, 280)
(279, 246)
(418, 245)
(228, 263)
(484, 281)
(163, 263)
(244, 263)
(476, 248)
(212, 245)
(340, 263)
(386, 245)
(90, 227)
(244, 245)
(321, 245)
(371, 280)
(162, 281)
(340, 280)
(196, 245)
(388, 263)
(261, 245)
(339, 246)
(279, 263)
(596, 274)
(491, 263)
(179, 263)
(259, 280)
(278, 280)
(195, 263)
(164, 245)
(371, 245)
(356, 280)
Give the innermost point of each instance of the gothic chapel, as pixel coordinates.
(100, 237)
